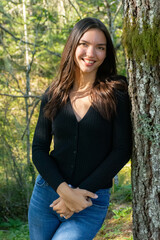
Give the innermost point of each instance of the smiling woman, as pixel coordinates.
(87, 111)
(91, 51)
(89, 55)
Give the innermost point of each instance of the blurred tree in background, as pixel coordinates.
(32, 37)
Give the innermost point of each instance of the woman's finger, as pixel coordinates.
(64, 212)
(66, 216)
(55, 202)
(56, 208)
(90, 194)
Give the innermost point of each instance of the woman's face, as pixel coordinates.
(91, 51)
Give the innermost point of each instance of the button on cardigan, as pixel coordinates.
(87, 154)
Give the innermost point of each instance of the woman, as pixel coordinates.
(87, 111)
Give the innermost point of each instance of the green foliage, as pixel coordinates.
(20, 234)
(122, 212)
(142, 43)
(123, 193)
(18, 230)
(12, 223)
(13, 200)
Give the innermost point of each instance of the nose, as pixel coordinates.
(91, 51)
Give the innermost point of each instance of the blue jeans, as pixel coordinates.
(46, 224)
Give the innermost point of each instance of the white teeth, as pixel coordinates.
(87, 61)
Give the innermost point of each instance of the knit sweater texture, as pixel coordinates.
(86, 154)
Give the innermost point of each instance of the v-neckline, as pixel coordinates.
(74, 113)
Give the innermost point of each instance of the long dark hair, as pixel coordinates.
(102, 93)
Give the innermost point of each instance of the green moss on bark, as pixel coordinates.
(142, 43)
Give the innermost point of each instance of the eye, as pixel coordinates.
(101, 48)
(83, 44)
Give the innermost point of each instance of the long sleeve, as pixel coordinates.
(121, 150)
(44, 163)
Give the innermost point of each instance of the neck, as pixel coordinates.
(83, 81)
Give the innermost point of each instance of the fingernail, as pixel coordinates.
(96, 196)
(51, 205)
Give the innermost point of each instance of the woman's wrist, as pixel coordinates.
(63, 190)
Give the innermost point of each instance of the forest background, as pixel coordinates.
(32, 37)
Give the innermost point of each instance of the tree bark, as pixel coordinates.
(141, 40)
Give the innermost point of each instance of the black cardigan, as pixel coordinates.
(87, 154)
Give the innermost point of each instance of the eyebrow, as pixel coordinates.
(99, 44)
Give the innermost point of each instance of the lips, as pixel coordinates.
(89, 62)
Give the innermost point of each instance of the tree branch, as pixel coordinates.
(14, 2)
(34, 106)
(19, 39)
(15, 167)
(30, 64)
(118, 9)
(110, 20)
(20, 96)
(75, 8)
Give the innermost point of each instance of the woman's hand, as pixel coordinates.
(60, 207)
(75, 199)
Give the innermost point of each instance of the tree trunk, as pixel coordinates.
(141, 40)
(27, 83)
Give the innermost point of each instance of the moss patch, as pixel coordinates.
(142, 44)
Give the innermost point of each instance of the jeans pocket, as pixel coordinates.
(40, 181)
(103, 198)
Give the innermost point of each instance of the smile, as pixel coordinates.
(88, 61)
